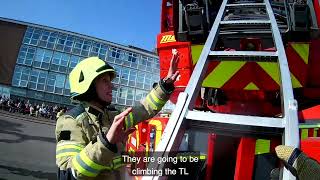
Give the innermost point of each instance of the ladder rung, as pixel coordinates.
(275, 4)
(226, 31)
(233, 129)
(244, 33)
(244, 22)
(242, 2)
(254, 5)
(246, 17)
(245, 55)
(235, 119)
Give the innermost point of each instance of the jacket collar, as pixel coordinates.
(93, 110)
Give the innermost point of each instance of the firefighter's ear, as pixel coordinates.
(64, 135)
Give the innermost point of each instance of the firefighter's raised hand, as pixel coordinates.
(116, 132)
(173, 73)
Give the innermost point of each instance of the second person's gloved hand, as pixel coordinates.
(298, 163)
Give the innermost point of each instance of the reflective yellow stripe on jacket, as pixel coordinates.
(129, 121)
(68, 149)
(155, 102)
(87, 167)
(117, 162)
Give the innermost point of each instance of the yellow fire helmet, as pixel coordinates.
(85, 72)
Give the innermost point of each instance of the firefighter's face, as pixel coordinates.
(104, 87)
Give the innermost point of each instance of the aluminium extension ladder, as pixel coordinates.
(184, 115)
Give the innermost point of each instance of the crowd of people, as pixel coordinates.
(32, 109)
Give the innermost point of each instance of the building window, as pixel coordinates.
(140, 94)
(55, 83)
(50, 83)
(131, 60)
(48, 39)
(26, 55)
(130, 97)
(132, 77)
(118, 73)
(85, 48)
(148, 82)
(66, 100)
(125, 76)
(74, 60)
(66, 90)
(35, 95)
(126, 96)
(49, 97)
(42, 58)
(132, 57)
(21, 76)
(65, 43)
(60, 62)
(61, 42)
(140, 79)
(149, 62)
(121, 99)
(99, 50)
(155, 78)
(116, 55)
(32, 36)
(144, 80)
(68, 44)
(95, 49)
(156, 66)
(142, 65)
(115, 88)
(59, 86)
(37, 79)
(78, 43)
(28, 35)
(103, 52)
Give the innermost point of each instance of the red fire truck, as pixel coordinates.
(235, 75)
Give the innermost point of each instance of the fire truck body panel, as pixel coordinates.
(245, 87)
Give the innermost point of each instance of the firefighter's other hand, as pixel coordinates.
(298, 163)
(284, 152)
(116, 132)
(173, 73)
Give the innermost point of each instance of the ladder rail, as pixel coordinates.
(261, 56)
(289, 104)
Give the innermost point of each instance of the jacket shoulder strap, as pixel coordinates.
(76, 111)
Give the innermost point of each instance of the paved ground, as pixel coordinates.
(27, 148)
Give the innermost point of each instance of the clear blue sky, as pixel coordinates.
(127, 22)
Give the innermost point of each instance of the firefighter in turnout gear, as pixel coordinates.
(90, 136)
